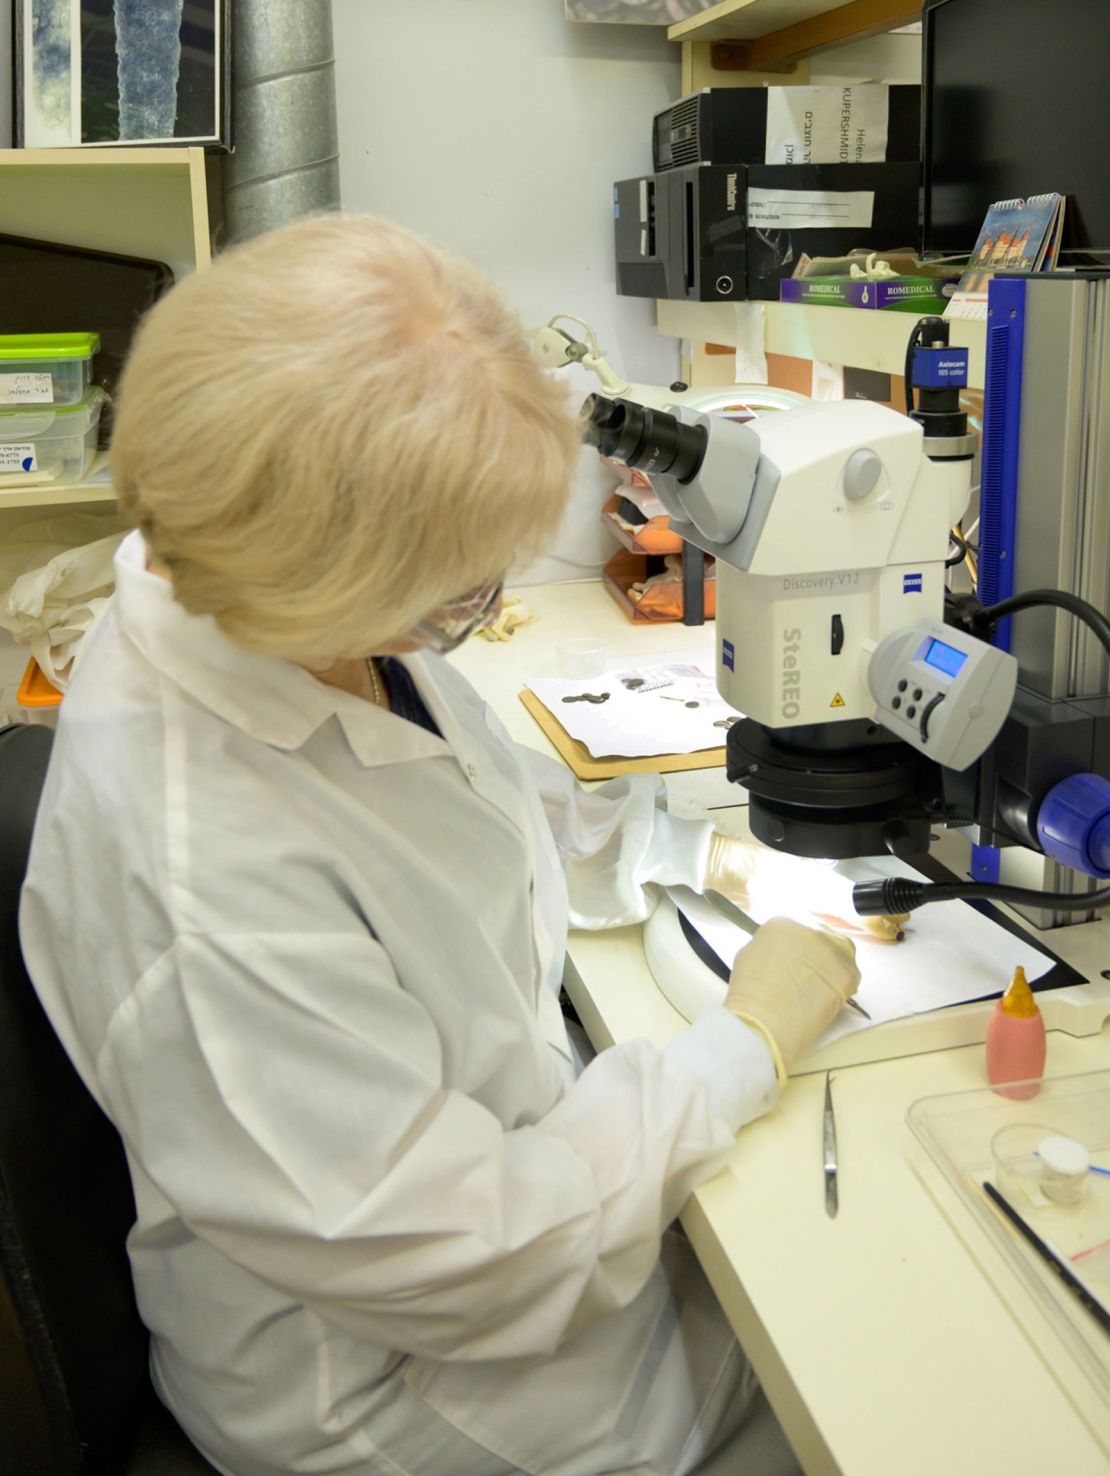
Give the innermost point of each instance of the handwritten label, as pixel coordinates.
(26, 389)
(810, 210)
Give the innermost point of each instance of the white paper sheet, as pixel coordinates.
(810, 210)
(951, 953)
(827, 125)
(750, 365)
(639, 711)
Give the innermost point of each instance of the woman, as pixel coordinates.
(297, 908)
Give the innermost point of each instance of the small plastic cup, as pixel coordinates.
(1065, 1164)
(580, 658)
(1034, 1159)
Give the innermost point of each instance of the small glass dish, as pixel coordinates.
(580, 658)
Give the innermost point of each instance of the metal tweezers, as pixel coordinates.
(831, 1200)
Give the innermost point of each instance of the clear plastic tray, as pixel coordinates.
(961, 1133)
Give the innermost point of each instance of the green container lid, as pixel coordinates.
(48, 345)
(88, 406)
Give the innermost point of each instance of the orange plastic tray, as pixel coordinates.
(654, 537)
(35, 690)
(625, 569)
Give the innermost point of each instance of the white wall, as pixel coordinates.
(892, 58)
(496, 129)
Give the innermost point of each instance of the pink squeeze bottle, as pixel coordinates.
(1016, 1040)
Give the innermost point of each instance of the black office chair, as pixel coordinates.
(75, 1393)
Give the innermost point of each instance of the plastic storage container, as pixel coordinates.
(979, 1137)
(45, 368)
(48, 443)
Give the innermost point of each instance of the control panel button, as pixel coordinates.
(896, 703)
(917, 694)
(902, 686)
(911, 711)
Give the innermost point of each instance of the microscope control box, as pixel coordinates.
(942, 691)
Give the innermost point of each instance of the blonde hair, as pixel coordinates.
(333, 432)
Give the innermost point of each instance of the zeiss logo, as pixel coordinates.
(911, 584)
(728, 655)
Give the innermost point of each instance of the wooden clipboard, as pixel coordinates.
(582, 763)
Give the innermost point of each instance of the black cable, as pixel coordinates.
(908, 370)
(984, 619)
(907, 373)
(959, 557)
(898, 894)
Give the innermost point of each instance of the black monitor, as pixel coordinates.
(1016, 102)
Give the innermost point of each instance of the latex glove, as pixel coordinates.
(789, 984)
(513, 613)
(764, 881)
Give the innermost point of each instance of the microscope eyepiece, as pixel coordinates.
(651, 441)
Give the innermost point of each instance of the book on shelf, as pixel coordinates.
(1016, 235)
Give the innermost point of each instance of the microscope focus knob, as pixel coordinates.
(861, 473)
(900, 840)
(1073, 823)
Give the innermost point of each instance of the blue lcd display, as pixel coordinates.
(945, 658)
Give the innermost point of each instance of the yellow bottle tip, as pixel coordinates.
(1018, 1000)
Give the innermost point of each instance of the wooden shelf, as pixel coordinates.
(735, 20)
(148, 202)
(865, 340)
(776, 33)
(60, 494)
(139, 202)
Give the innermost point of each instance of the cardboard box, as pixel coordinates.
(894, 294)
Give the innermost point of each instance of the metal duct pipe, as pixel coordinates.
(286, 159)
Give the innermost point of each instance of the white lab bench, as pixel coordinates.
(893, 1340)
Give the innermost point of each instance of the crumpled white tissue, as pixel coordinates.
(54, 587)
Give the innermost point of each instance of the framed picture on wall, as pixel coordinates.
(90, 73)
(635, 12)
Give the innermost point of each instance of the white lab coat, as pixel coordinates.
(306, 956)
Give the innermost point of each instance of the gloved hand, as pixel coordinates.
(764, 881)
(789, 984)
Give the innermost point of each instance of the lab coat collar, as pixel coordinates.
(270, 699)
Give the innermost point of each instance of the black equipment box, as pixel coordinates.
(728, 125)
(685, 233)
